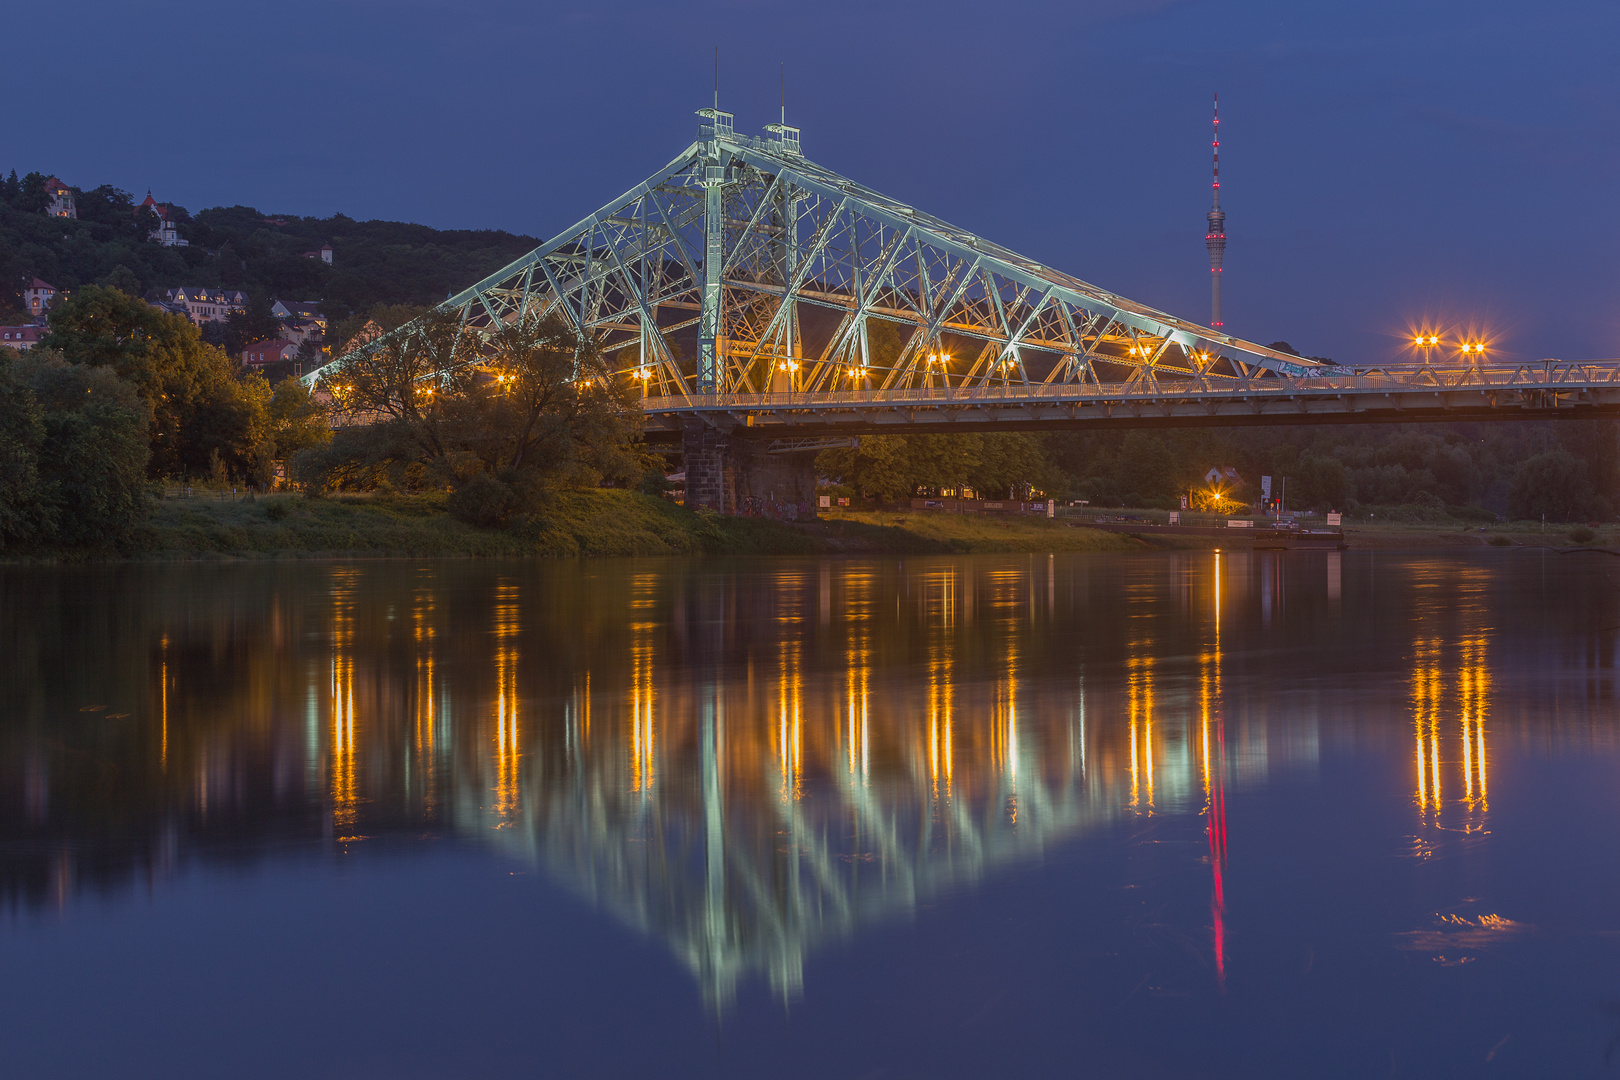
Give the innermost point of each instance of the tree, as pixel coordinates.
(250, 324)
(124, 280)
(116, 214)
(554, 408)
(310, 355)
(889, 468)
(877, 467)
(1554, 485)
(230, 432)
(177, 375)
(73, 439)
(531, 407)
(1324, 483)
(1146, 469)
(31, 194)
(297, 420)
(22, 431)
(93, 459)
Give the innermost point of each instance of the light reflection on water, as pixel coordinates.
(748, 762)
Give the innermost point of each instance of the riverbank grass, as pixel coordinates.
(596, 522)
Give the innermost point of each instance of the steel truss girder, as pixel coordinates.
(788, 235)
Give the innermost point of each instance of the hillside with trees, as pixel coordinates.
(239, 247)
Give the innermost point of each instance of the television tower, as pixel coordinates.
(1215, 240)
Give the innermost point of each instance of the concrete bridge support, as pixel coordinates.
(730, 474)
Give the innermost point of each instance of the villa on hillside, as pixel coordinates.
(37, 298)
(199, 305)
(62, 203)
(21, 338)
(304, 310)
(167, 232)
(323, 253)
(301, 320)
(269, 352)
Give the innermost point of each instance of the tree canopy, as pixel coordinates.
(74, 451)
(499, 421)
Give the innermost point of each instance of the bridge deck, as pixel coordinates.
(1392, 394)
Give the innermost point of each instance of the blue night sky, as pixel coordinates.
(1381, 161)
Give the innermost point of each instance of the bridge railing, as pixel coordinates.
(1541, 375)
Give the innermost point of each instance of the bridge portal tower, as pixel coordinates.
(1215, 239)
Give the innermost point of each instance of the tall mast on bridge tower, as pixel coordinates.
(1215, 239)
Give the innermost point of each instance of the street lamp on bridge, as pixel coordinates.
(1425, 344)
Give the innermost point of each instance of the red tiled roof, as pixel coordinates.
(54, 185)
(38, 284)
(265, 352)
(19, 333)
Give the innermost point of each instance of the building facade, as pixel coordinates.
(21, 338)
(167, 232)
(301, 320)
(37, 298)
(269, 352)
(62, 202)
(201, 305)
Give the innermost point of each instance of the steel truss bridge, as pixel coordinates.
(745, 287)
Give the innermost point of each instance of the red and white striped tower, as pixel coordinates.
(1215, 240)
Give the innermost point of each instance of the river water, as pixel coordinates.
(1163, 815)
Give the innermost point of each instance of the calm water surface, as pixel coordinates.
(1169, 815)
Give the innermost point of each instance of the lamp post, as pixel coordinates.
(1425, 344)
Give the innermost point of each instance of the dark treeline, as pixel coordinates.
(1568, 470)
(375, 262)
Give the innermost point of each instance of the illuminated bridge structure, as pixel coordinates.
(744, 288)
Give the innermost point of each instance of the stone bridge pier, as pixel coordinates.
(732, 474)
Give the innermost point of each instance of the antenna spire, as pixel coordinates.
(1215, 238)
(717, 78)
(783, 78)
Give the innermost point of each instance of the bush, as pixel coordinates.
(1582, 535)
(653, 482)
(275, 510)
(1499, 541)
(483, 500)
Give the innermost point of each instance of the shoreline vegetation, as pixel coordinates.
(215, 525)
(602, 522)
